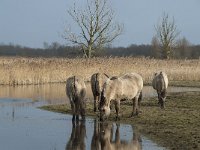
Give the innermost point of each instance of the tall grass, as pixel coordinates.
(23, 71)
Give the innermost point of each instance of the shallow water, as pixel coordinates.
(24, 127)
(55, 93)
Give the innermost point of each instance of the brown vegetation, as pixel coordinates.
(22, 71)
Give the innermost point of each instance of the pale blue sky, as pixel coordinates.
(32, 22)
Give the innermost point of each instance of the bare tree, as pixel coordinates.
(96, 24)
(167, 33)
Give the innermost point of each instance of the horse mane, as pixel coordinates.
(113, 78)
(106, 75)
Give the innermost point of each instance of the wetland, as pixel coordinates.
(24, 126)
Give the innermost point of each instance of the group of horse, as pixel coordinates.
(113, 89)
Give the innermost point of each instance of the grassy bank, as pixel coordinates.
(177, 127)
(23, 71)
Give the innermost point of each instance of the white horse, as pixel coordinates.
(128, 86)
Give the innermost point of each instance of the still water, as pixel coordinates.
(25, 127)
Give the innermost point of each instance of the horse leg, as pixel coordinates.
(98, 102)
(158, 96)
(95, 103)
(82, 109)
(111, 103)
(77, 107)
(117, 109)
(135, 106)
(139, 102)
(73, 110)
(162, 98)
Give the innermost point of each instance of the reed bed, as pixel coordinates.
(24, 71)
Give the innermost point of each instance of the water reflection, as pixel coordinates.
(55, 93)
(30, 128)
(106, 136)
(25, 127)
(52, 93)
(95, 143)
(78, 135)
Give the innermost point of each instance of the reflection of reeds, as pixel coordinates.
(52, 93)
(16, 70)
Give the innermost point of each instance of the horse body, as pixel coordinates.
(160, 84)
(76, 91)
(128, 86)
(97, 81)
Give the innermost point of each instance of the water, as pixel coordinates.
(24, 127)
(55, 93)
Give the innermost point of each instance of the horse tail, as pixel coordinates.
(140, 98)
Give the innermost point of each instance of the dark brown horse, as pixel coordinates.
(97, 81)
(160, 84)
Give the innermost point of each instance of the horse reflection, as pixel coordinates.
(103, 139)
(95, 144)
(77, 138)
(96, 138)
(133, 144)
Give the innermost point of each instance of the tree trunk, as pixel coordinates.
(89, 51)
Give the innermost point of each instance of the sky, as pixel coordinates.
(30, 23)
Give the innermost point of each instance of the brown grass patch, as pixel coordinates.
(21, 71)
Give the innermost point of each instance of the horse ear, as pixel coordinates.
(155, 73)
(106, 75)
(113, 78)
(161, 73)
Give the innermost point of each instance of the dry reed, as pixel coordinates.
(24, 71)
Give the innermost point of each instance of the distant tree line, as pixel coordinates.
(182, 51)
(52, 50)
